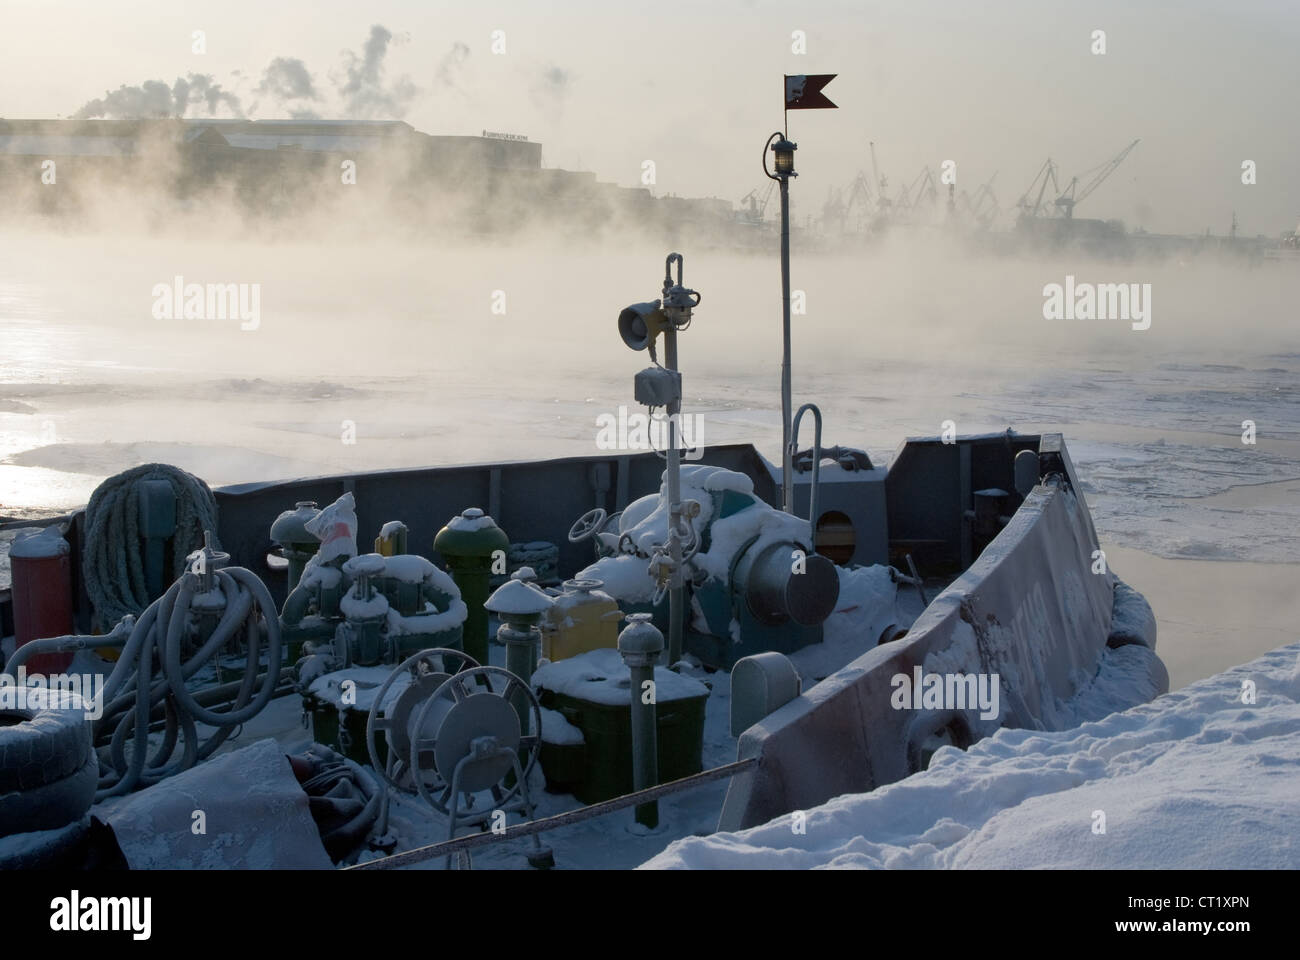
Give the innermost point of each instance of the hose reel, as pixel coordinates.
(428, 670)
(476, 740)
(455, 734)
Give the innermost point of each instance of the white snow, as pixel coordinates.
(365, 565)
(601, 676)
(730, 534)
(336, 529)
(572, 598)
(867, 605)
(34, 544)
(557, 730)
(391, 529)
(431, 621)
(518, 597)
(646, 522)
(1131, 618)
(408, 568)
(470, 520)
(625, 576)
(1197, 779)
(365, 683)
(355, 608)
(315, 573)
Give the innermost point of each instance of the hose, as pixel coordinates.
(133, 694)
(113, 566)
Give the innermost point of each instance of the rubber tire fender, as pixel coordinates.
(51, 805)
(45, 746)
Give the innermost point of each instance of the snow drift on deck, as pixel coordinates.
(1196, 779)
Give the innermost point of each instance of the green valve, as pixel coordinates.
(470, 544)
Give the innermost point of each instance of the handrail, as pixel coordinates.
(817, 464)
(448, 847)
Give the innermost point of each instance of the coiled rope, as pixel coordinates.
(113, 565)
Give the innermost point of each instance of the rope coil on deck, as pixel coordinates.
(113, 566)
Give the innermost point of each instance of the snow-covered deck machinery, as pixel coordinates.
(753, 581)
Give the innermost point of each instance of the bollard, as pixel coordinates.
(641, 644)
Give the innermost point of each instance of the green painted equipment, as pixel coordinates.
(470, 544)
(311, 611)
(296, 545)
(581, 690)
(396, 606)
(360, 637)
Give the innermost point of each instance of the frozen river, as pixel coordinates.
(431, 356)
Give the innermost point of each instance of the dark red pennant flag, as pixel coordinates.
(805, 92)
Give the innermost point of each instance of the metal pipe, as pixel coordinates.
(118, 637)
(640, 645)
(645, 743)
(787, 467)
(817, 463)
(521, 658)
(676, 606)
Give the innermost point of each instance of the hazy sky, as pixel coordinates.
(696, 86)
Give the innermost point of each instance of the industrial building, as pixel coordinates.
(489, 183)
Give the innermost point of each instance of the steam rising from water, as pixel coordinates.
(394, 332)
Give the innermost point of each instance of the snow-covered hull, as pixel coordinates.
(1032, 617)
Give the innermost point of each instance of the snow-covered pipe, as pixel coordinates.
(641, 644)
(118, 637)
(816, 464)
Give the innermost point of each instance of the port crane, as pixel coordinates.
(757, 207)
(1068, 198)
(859, 199)
(1046, 174)
(909, 197)
(974, 205)
(882, 196)
(834, 212)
